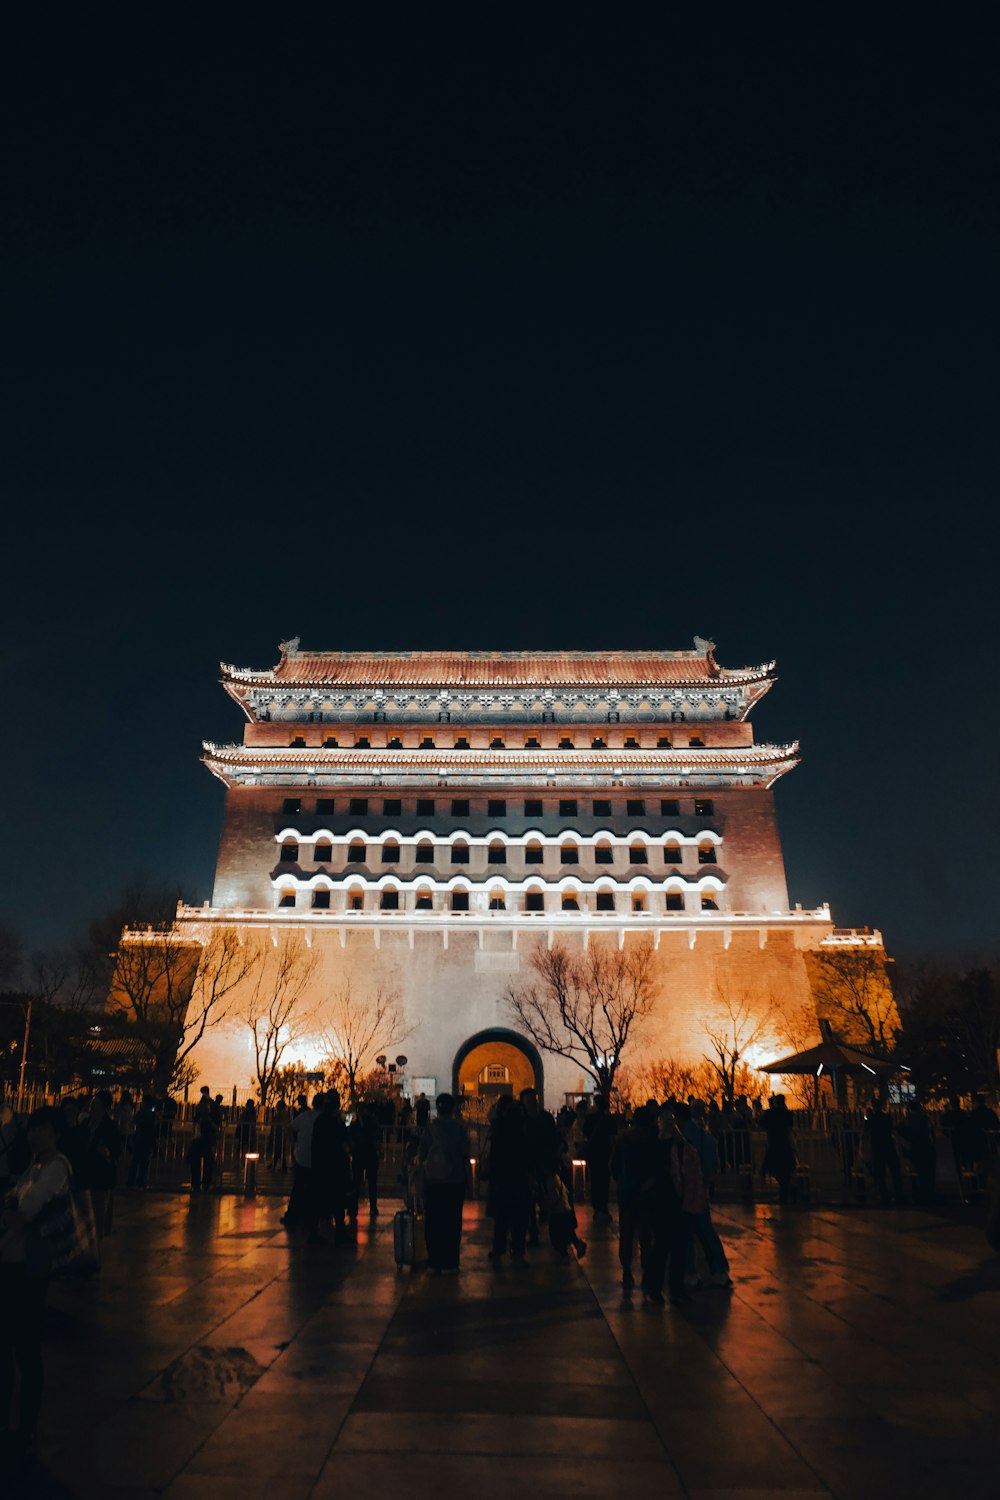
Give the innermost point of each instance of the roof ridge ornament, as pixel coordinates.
(290, 647)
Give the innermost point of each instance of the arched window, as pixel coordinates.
(605, 901)
(424, 854)
(708, 901)
(390, 900)
(390, 854)
(707, 855)
(638, 901)
(604, 854)
(424, 901)
(286, 898)
(356, 854)
(497, 902)
(638, 854)
(460, 854)
(460, 901)
(675, 901)
(569, 854)
(673, 854)
(534, 901)
(496, 854)
(289, 854)
(356, 901)
(570, 902)
(534, 854)
(323, 854)
(321, 900)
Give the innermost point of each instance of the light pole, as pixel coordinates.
(24, 1056)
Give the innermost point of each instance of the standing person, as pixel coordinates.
(510, 1179)
(331, 1170)
(143, 1143)
(365, 1137)
(632, 1165)
(423, 1112)
(246, 1130)
(779, 1158)
(918, 1143)
(701, 1228)
(201, 1154)
(301, 1209)
(662, 1221)
(23, 1286)
(540, 1136)
(444, 1152)
(279, 1137)
(599, 1133)
(98, 1148)
(882, 1151)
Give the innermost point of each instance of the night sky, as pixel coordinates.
(496, 333)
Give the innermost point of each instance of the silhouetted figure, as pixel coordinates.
(423, 1112)
(98, 1147)
(301, 1203)
(509, 1178)
(144, 1129)
(24, 1279)
(444, 1152)
(701, 1229)
(882, 1152)
(918, 1144)
(779, 1158)
(279, 1137)
(633, 1165)
(331, 1170)
(201, 1155)
(365, 1138)
(246, 1130)
(599, 1132)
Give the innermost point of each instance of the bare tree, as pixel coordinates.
(170, 989)
(361, 1025)
(738, 1021)
(852, 991)
(586, 1008)
(279, 1008)
(657, 1078)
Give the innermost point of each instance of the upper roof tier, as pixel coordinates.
(494, 668)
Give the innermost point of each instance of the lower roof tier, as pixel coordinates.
(751, 765)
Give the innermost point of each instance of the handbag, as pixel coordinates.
(61, 1241)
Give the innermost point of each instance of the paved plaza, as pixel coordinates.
(218, 1358)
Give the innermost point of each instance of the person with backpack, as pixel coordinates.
(444, 1152)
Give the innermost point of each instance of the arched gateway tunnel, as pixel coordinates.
(496, 1062)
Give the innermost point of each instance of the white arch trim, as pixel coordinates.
(499, 836)
(497, 882)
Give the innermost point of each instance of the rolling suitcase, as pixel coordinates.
(408, 1238)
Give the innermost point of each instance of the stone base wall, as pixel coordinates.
(451, 994)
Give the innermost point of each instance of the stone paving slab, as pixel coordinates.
(218, 1356)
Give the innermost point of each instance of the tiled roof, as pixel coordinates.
(496, 668)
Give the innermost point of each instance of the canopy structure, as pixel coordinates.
(831, 1056)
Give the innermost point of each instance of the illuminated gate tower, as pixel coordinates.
(423, 818)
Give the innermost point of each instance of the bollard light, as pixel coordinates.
(250, 1174)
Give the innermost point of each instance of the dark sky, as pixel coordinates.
(504, 336)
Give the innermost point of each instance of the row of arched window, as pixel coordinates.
(389, 853)
(458, 901)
